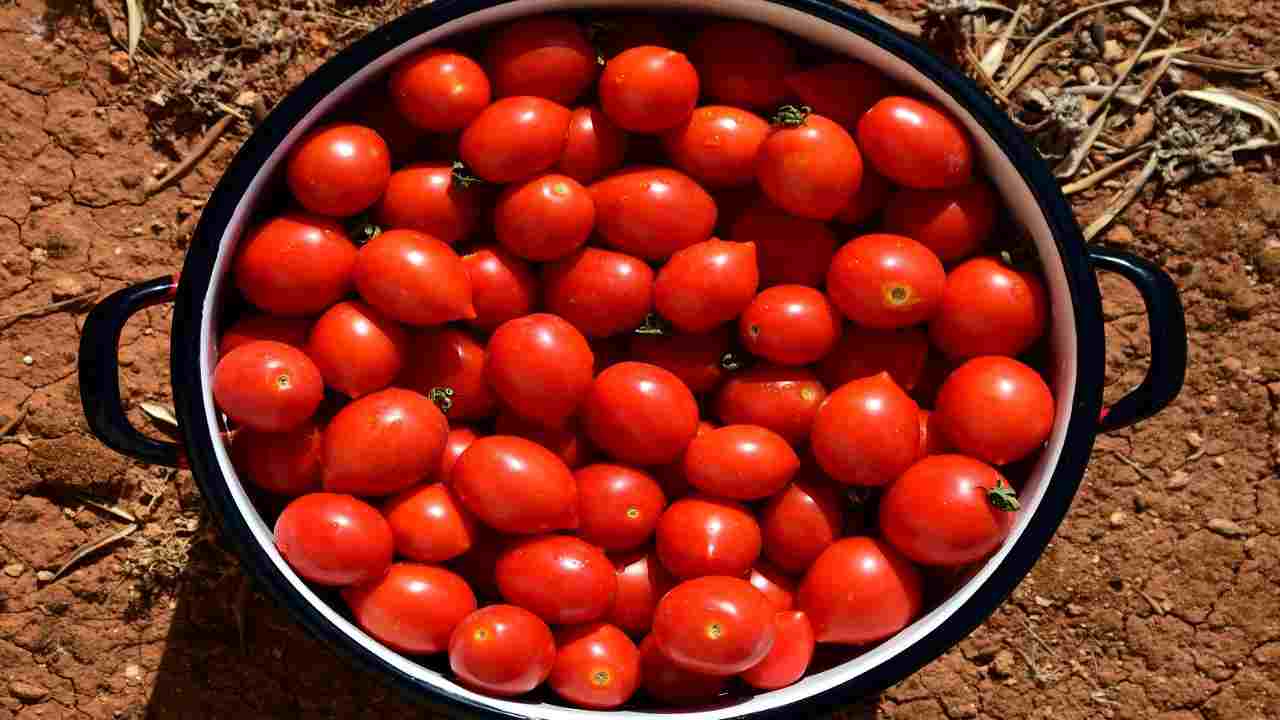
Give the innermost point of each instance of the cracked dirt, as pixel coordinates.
(1159, 597)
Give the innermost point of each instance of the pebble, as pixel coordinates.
(27, 692)
(1179, 480)
(1004, 664)
(1112, 51)
(1194, 439)
(1074, 610)
(1117, 519)
(133, 672)
(1268, 262)
(28, 360)
(44, 575)
(1120, 235)
(1043, 601)
(1272, 78)
(67, 287)
(1087, 74)
(119, 64)
(14, 569)
(1226, 528)
(1220, 461)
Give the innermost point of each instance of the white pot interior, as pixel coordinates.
(1017, 196)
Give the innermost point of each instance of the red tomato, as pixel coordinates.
(413, 608)
(652, 212)
(383, 443)
(593, 147)
(514, 139)
(867, 432)
(790, 250)
(648, 89)
(717, 145)
(916, 144)
(543, 56)
(779, 588)
(784, 400)
(260, 326)
(618, 506)
(716, 625)
(601, 292)
(801, 521)
(284, 463)
(862, 353)
(988, 308)
(371, 106)
(339, 169)
(790, 657)
(439, 90)
(870, 198)
(642, 581)
(569, 443)
(597, 666)
(995, 409)
(842, 91)
(561, 579)
(954, 223)
(669, 683)
(699, 536)
(809, 166)
(936, 369)
(429, 524)
(456, 442)
(449, 358)
(706, 284)
(516, 486)
(503, 287)
(698, 360)
(886, 281)
(502, 650)
(414, 278)
(425, 197)
(295, 264)
(740, 462)
(671, 476)
(789, 325)
(540, 366)
(334, 539)
(358, 349)
(742, 63)
(545, 218)
(477, 565)
(270, 386)
(932, 441)
(640, 414)
(860, 591)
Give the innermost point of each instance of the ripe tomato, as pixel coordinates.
(652, 212)
(284, 463)
(503, 287)
(801, 521)
(601, 292)
(425, 197)
(870, 198)
(860, 591)
(545, 218)
(809, 166)
(740, 462)
(540, 366)
(988, 308)
(561, 579)
(867, 432)
(717, 145)
(742, 63)
(261, 326)
(782, 399)
(502, 650)
(706, 284)
(269, 386)
(594, 145)
(842, 91)
(372, 107)
(789, 325)
(716, 625)
(640, 414)
(339, 169)
(698, 360)
(618, 506)
(648, 89)
(569, 443)
(449, 358)
(790, 250)
(699, 536)
(779, 588)
(439, 90)
(295, 264)
(413, 608)
(456, 442)
(358, 349)
(671, 476)
(333, 539)
(932, 441)
(669, 683)
(916, 144)
(642, 581)
(414, 278)
(790, 657)
(597, 666)
(383, 443)
(862, 353)
(429, 524)
(514, 139)
(995, 409)
(477, 565)
(954, 223)
(886, 281)
(516, 486)
(544, 56)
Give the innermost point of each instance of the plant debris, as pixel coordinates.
(92, 547)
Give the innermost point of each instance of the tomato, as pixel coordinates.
(860, 591)
(995, 409)
(561, 579)
(594, 145)
(338, 169)
(954, 223)
(789, 325)
(544, 56)
(333, 539)
(784, 400)
(597, 666)
(615, 33)
(260, 326)
(516, 486)
(776, 586)
(456, 442)
(790, 250)
(642, 581)
(358, 349)
(886, 281)
(284, 463)
(413, 608)
(383, 443)
(648, 89)
(652, 212)
(937, 367)
(514, 139)
(867, 432)
(414, 278)
(671, 476)
(717, 145)
(449, 358)
(790, 656)
(801, 521)
(269, 386)
(706, 284)
(371, 106)
(503, 287)
(742, 63)
(715, 625)
(842, 91)
(640, 414)
(809, 166)
(569, 443)
(618, 506)
(426, 197)
(669, 683)
(932, 441)
(295, 264)
(540, 366)
(699, 536)
(740, 462)
(916, 144)
(601, 292)
(871, 197)
(429, 524)
(439, 90)
(698, 360)
(477, 565)
(502, 650)
(545, 218)
(862, 353)
(988, 308)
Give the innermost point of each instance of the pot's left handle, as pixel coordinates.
(100, 373)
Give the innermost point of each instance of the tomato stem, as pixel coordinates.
(1004, 498)
(597, 30)
(732, 362)
(654, 324)
(791, 115)
(442, 397)
(361, 229)
(463, 177)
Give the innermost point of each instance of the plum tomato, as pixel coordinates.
(597, 666)
(698, 360)
(809, 166)
(502, 650)
(790, 250)
(995, 409)
(715, 625)
(870, 198)
(800, 522)
(842, 91)
(885, 281)
(284, 463)
(791, 654)
(740, 462)
(413, 608)
(456, 442)
(601, 292)
(441, 358)
(648, 89)
(268, 386)
(706, 284)
(699, 536)
(503, 287)
(717, 145)
(334, 540)
(295, 264)
(545, 218)
(426, 197)
(561, 579)
(593, 146)
(642, 581)
(544, 56)
(652, 212)
(667, 682)
(262, 326)
(439, 90)
(541, 366)
(516, 486)
(776, 585)
(742, 63)
(862, 353)
(783, 399)
(383, 443)
(514, 139)
(429, 524)
(989, 308)
(640, 414)
(358, 349)
(618, 506)
(867, 432)
(789, 325)
(932, 441)
(671, 476)
(860, 591)
(339, 169)
(414, 278)
(916, 144)
(954, 223)
(372, 107)
(569, 443)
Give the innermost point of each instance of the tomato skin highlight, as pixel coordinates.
(885, 282)
(640, 414)
(652, 212)
(742, 63)
(503, 287)
(502, 650)
(954, 223)
(429, 524)
(449, 358)
(339, 169)
(642, 581)
(593, 146)
(516, 486)
(740, 462)
(862, 353)
(545, 57)
(648, 89)
(667, 682)
(802, 521)
(561, 579)
(383, 443)
(541, 366)
(790, 250)
(706, 284)
(714, 625)
(357, 348)
(413, 609)
(699, 536)
(790, 657)
(717, 145)
(284, 463)
(618, 506)
(425, 197)
(414, 278)
(995, 409)
(810, 170)
(423, 89)
(546, 218)
(514, 139)
(780, 589)
(867, 432)
(916, 144)
(789, 325)
(597, 666)
(695, 359)
(334, 540)
(842, 91)
(267, 386)
(989, 308)
(295, 264)
(601, 292)
(782, 399)
(860, 591)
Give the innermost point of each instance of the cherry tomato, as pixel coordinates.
(862, 353)
(789, 325)
(995, 409)
(669, 683)
(618, 506)
(648, 89)
(776, 586)
(742, 63)
(932, 441)
(429, 524)
(569, 443)
(541, 367)
(503, 287)
(954, 223)
(372, 107)
(269, 386)
(642, 581)
(698, 360)
(790, 657)
(597, 666)
(456, 442)
(699, 536)
(784, 400)
(502, 650)
(790, 250)
(872, 195)
(261, 326)
(477, 565)
(801, 521)
(867, 432)
(439, 90)
(860, 591)
(543, 56)
(671, 476)
(413, 608)
(715, 625)
(333, 539)
(383, 443)
(414, 278)
(295, 264)
(989, 308)
(652, 212)
(514, 139)
(740, 462)
(545, 218)
(886, 281)
(937, 367)
(448, 358)
(717, 145)
(916, 144)
(842, 91)
(426, 197)
(339, 169)
(358, 349)
(601, 292)
(809, 166)
(516, 486)
(640, 414)
(594, 145)
(284, 463)
(561, 579)
(706, 284)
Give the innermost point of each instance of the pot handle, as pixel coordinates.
(1168, 330)
(99, 367)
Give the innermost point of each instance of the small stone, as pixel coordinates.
(119, 64)
(1272, 78)
(1267, 261)
(1140, 503)
(1120, 235)
(1232, 364)
(39, 255)
(1117, 519)
(1043, 601)
(1226, 528)
(14, 569)
(27, 692)
(1194, 439)
(159, 169)
(1112, 51)
(67, 287)
(28, 360)
(44, 576)
(1074, 610)
(1178, 480)
(1087, 74)
(247, 98)
(133, 672)
(1220, 461)
(1003, 665)
(1176, 76)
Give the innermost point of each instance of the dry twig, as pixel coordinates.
(994, 56)
(194, 157)
(89, 548)
(1098, 176)
(15, 422)
(1142, 47)
(1126, 196)
(114, 510)
(51, 307)
(1049, 31)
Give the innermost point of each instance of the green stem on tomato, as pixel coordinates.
(361, 228)
(732, 362)
(442, 397)
(791, 115)
(1003, 497)
(462, 175)
(654, 324)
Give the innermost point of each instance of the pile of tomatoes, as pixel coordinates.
(532, 412)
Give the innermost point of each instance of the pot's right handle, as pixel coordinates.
(1168, 329)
